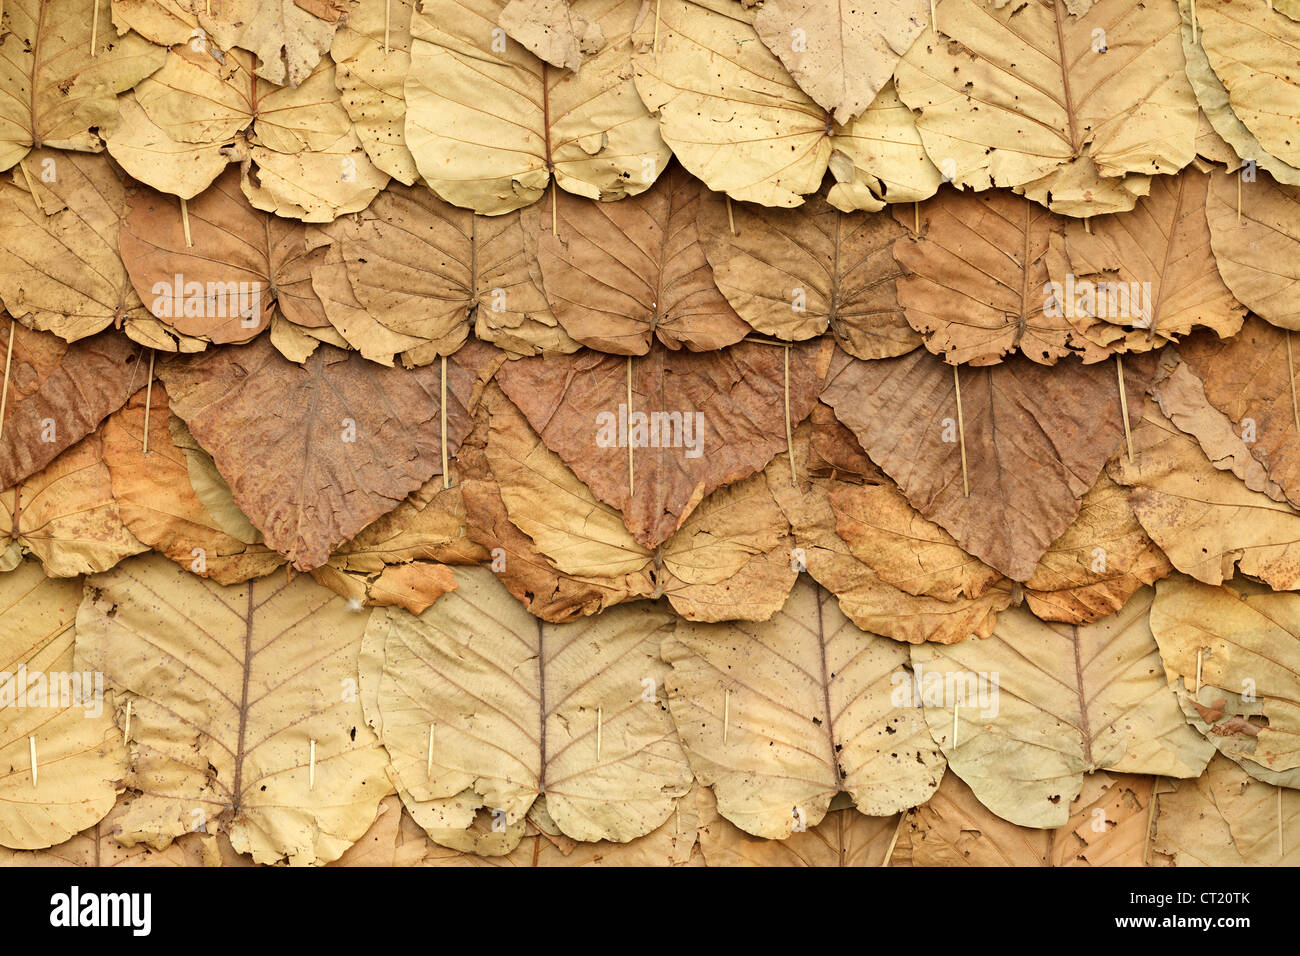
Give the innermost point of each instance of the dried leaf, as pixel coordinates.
(954, 829)
(516, 708)
(1013, 92)
(977, 285)
(1208, 523)
(1035, 441)
(1240, 644)
(159, 505)
(1124, 278)
(58, 394)
(1108, 822)
(1100, 561)
(238, 753)
(288, 40)
(1039, 705)
(729, 404)
(552, 31)
(490, 125)
(60, 270)
(60, 90)
(793, 273)
(780, 716)
(619, 275)
(841, 59)
(65, 514)
(1257, 243)
(359, 437)
(51, 698)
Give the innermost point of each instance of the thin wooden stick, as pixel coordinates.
(555, 221)
(934, 20)
(1290, 367)
(1197, 693)
(961, 434)
(185, 223)
(446, 474)
(654, 47)
(94, 31)
(598, 732)
(31, 743)
(148, 401)
(9, 358)
(731, 220)
(916, 218)
(889, 853)
(311, 768)
(1087, 225)
(126, 732)
(726, 713)
(388, 17)
(428, 768)
(1239, 197)
(789, 432)
(1194, 40)
(630, 484)
(1123, 404)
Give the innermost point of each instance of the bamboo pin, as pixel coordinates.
(1199, 652)
(126, 732)
(1194, 40)
(789, 432)
(654, 46)
(388, 18)
(148, 402)
(1290, 367)
(94, 31)
(446, 474)
(731, 219)
(1123, 404)
(889, 853)
(185, 223)
(4, 388)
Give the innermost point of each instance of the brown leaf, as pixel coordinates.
(730, 404)
(977, 284)
(355, 437)
(245, 264)
(158, 504)
(1160, 256)
(1256, 242)
(1035, 441)
(620, 274)
(794, 272)
(1247, 378)
(58, 393)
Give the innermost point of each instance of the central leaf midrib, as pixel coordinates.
(541, 706)
(237, 787)
(826, 696)
(1065, 77)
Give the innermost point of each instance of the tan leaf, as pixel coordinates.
(491, 125)
(777, 717)
(553, 31)
(1181, 396)
(1124, 278)
(62, 91)
(1253, 54)
(840, 58)
(865, 599)
(1207, 522)
(392, 840)
(1257, 248)
(1240, 644)
(738, 121)
(288, 40)
(619, 275)
(65, 514)
(977, 284)
(1038, 705)
(60, 270)
(1224, 818)
(51, 698)
(372, 53)
(1013, 92)
(240, 752)
(732, 402)
(58, 393)
(146, 151)
(360, 437)
(159, 505)
(1035, 440)
(412, 586)
(1098, 563)
(954, 829)
(1108, 823)
(794, 273)
(518, 708)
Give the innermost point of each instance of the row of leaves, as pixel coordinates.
(973, 277)
(1076, 105)
(274, 714)
(925, 529)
